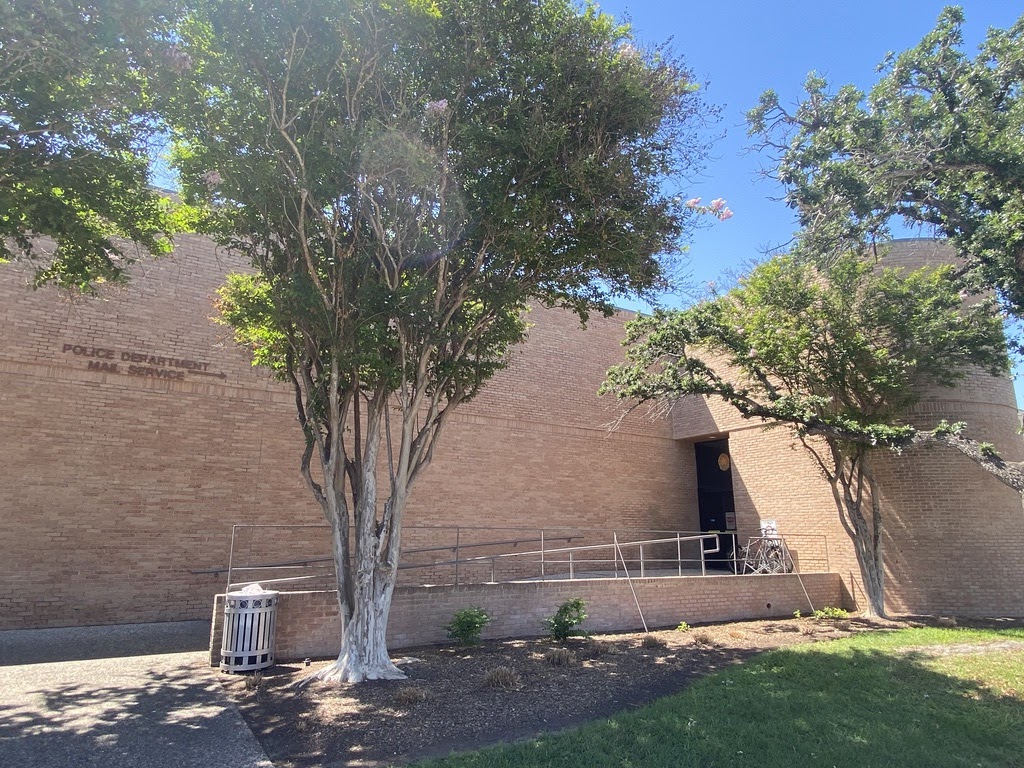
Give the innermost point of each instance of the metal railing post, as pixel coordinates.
(458, 534)
(625, 570)
(679, 553)
(572, 570)
(642, 572)
(231, 558)
(542, 576)
(703, 564)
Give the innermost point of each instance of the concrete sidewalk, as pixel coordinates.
(38, 646)
(139, 711)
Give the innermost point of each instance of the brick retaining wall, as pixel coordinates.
(308, 625)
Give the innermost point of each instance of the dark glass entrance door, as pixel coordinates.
(714, 498)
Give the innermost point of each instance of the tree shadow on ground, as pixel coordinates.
(786, 708)
(367, 725)
(172, 716)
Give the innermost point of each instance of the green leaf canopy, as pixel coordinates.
(77, 116)
(840, 352)
(936, 142)
(414, 172)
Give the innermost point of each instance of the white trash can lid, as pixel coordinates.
(251, 591)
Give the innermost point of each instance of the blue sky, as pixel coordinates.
(743, 47)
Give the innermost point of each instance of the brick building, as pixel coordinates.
(134, 434)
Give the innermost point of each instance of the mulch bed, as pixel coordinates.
(446, 705)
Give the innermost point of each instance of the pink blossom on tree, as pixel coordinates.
(716, 208)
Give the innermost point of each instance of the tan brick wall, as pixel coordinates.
(308, 624)
(115, 486)
(954, 535)
(955, 539)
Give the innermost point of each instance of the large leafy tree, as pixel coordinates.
(405, 177)
(837, 355)
(936, 142)
(76, 120)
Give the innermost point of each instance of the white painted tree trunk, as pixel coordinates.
(364, 650)
(364, 622)
(367, 572)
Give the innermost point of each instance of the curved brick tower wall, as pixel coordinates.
(954, 534)
(954, 540)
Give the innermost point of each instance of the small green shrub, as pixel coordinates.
(501, 677)
(567, 619)
(467, 624)
(988, 450)
(797, 614)
(559, 657)
(829, 613)
(945, 428)
(683, 627)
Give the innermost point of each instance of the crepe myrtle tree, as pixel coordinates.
(937, 142)
(78, 116)
(405, 177)
(835, 355)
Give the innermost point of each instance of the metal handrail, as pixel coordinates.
(313, 560)
(515, 542)
(599, 546)
(544, 556)
(678, 539)
(268, 581)
(287, 565)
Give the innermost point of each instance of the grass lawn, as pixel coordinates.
(915, 697)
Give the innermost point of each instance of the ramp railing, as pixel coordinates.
(279, 555)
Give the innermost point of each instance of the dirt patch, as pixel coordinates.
(454, 700)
